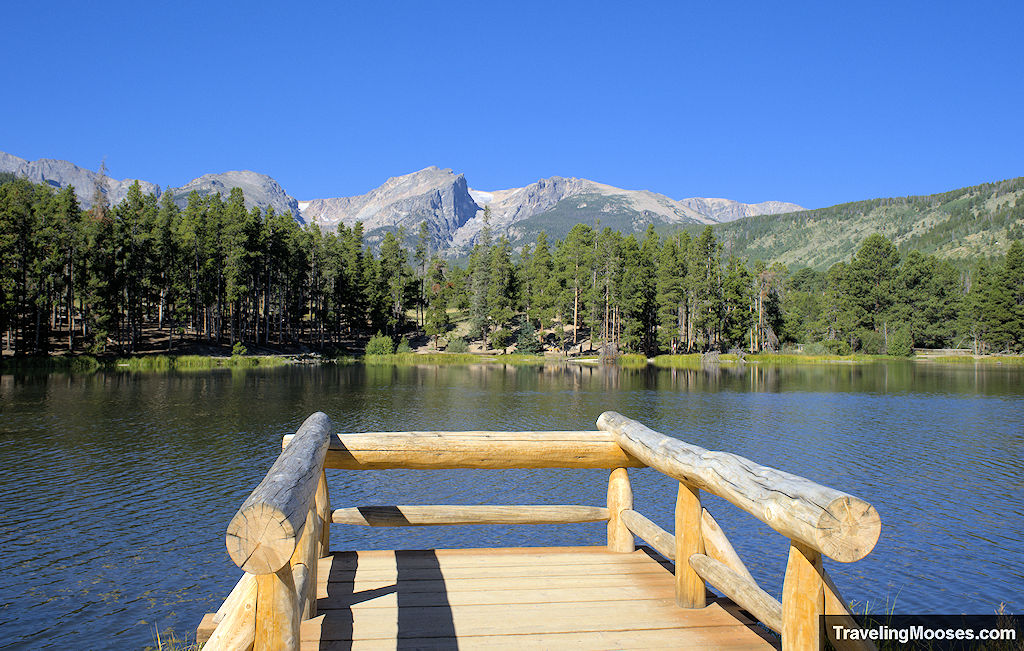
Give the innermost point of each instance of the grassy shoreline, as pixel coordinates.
(185, 363)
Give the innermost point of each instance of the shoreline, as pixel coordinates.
(84, 363)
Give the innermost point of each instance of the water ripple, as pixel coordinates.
(117, 488)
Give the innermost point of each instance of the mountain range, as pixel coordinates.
(965, 223)
(455, 213)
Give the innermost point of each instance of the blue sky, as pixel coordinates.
(815, 103)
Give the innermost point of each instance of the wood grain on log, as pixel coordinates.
(323, 509)
(620, 498)
(662, 541)
(718, 547)
(423, 450)
(803, 599)
(690, 589)
(262, 535)
(277, 612)
(236, 626)
(835, 606)
(741, 589)
(841, 526)
(429, 515)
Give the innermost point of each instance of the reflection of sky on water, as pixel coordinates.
(117, 488)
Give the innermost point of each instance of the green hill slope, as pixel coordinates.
(978, 221)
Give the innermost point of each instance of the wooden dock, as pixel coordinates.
(515, 598)
(296, 594)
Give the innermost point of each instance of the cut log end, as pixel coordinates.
(260, 539)
(848, 529)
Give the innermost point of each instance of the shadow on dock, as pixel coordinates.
(423, 612)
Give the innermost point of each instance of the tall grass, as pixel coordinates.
(145, 363)
(1012, 360)
(630, 360)
(44, 364)
(678, 361)
(169, 641)
(410, 359)
(795, 359)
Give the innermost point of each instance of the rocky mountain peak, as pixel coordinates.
(61, 173)
(259, 190)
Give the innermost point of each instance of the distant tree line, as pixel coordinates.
(216, 271)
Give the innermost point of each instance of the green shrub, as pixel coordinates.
(815, 348)
(871, 342)
(403, 346)
(239, 349)
(457, 345)
(527, 342)
(380, 344)
(900, 343)
(837, 346)
(501, 338)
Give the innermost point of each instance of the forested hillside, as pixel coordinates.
(974, 222)
(214, 271)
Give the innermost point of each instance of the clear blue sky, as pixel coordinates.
(815, 103)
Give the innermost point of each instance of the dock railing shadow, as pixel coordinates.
(282, 530)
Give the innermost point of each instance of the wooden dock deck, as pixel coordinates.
(521, 598)
(295, 593)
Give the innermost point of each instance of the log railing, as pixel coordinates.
(818, 521)
(277, 537)
(283, 527)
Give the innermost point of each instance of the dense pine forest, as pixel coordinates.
(94, 280)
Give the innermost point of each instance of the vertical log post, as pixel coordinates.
(690, 591)
(803, 600)
(304, 563)
(323, 508)
(277, 611)
(620, 498)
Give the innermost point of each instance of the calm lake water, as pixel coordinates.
(116, 488)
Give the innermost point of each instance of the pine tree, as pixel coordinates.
(737, 296)
(670, 293)
(576, 255)
(396, 275)
(437, 289)
(705, 270)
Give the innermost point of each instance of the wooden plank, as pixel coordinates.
(620, 498)
(690, 588)
(506, 619)
(803, 600)
(340, 561)
(488, 571)
(434, 515)
(839, 525)
(662, 541)
(711, 638)
(378, 450)
(263, 533)
(377, 586)
(452, 594)
(742, 590)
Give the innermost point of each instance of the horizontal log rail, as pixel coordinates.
(487, 450)
(419, 516)
(282, 528)
(841, 526)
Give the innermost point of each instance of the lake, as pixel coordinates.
(117, 488)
